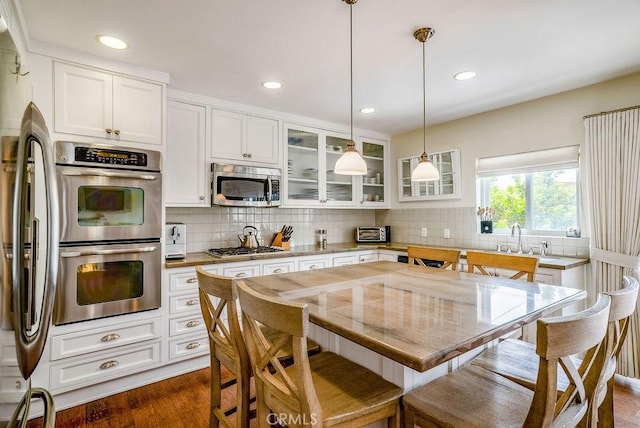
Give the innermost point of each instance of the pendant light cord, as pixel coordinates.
(424, 99)
(351, 67)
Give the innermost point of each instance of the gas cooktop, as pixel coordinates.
(241, 251)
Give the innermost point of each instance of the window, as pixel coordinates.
(538, 190)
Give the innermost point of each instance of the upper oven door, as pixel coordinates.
(99, 204)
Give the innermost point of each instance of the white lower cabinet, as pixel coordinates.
(86, 370)
(270, 268)
(345, 260)
(368, 256)
(310, 263)
(12, 385)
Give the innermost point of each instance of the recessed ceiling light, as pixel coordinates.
(367, 110)
(112, 42)
(464, 75)
(272, 85)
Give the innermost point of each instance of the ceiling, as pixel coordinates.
(521, 50)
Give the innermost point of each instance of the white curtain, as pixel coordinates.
(613, 154)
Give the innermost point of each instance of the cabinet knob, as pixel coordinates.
(18, 384)
(110, 337)
(244, 155)
(249, 155)
(201, 198)
(109, 130)
(108, 364)
(193, 345)
(116, 131)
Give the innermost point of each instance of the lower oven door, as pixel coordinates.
(105, 280)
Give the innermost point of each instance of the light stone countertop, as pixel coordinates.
(202, 258)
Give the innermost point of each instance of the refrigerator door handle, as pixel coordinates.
(30, 342)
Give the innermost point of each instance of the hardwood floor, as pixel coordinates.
(183, 402)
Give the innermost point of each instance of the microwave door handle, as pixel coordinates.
(67, 254)
(269, 189)
(30, 343)
(114, 174)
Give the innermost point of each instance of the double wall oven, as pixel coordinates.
(110, 227)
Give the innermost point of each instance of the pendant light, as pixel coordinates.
(425, 171)
(351, 163)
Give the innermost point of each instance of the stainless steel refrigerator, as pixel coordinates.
(29, 231)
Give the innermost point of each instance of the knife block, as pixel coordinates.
(277, 240)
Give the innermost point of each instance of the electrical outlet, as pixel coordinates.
(446, 234)
(423, 232)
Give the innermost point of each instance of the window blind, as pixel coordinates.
(519, 163)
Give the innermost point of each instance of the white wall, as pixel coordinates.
(547, 122)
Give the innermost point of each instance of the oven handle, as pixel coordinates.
(115, 174)
(67, 254)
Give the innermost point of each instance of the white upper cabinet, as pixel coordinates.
(242, 138)
(185, 168)
(94, 103)
(448, 187)
(374, 188)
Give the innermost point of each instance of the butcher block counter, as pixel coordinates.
(403, 321)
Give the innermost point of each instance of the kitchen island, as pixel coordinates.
(411, 324)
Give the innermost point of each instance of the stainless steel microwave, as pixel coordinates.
(245, 186)
(373, 234)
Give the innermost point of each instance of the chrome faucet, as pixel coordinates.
(513, 229)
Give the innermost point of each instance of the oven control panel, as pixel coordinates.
(110, 156)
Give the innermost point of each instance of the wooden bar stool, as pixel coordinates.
(448, 256)
(523, 265)
(476, 397)
(517, 360)
(227, 348)
(322, 390)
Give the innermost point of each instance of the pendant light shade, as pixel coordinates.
(425, 171)
(351, 163)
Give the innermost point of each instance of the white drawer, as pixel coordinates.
(186, 281)
(98, 339)
(311, 264)
(184, 304)
(278, 267)
(12, 385)
(79, 372)
(368, 257)
(244, 271)
(8, 354)
(187, 348)
(186, 325)
(350, 259)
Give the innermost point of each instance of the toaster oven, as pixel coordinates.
(373, 234)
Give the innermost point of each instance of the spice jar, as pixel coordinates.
(322, 238)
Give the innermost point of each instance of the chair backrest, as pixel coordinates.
(522, 264)
(216, 296)
(623, 304)
(281, 392)
(448, 256)
(557, 339)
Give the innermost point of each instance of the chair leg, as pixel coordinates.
(263, 417)
(395, 420)
(605, 411)
(216, 393)
(242, 398)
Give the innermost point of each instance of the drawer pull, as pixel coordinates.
(192, 302)
(313, 267)
(193, 323)
(192, 280)
(278, 270)
(110, 337)
(193, 345)
(108, 364)
(241, 274)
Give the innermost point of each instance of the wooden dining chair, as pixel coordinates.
(517, 360)
(449, 257)
(476, 397)
(227, 348)
(321, 390)
(523, 265)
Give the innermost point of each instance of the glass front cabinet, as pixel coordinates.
(311, 154)
(448, 187)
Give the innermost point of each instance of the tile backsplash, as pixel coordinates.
(406, 225)
(219, 226)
